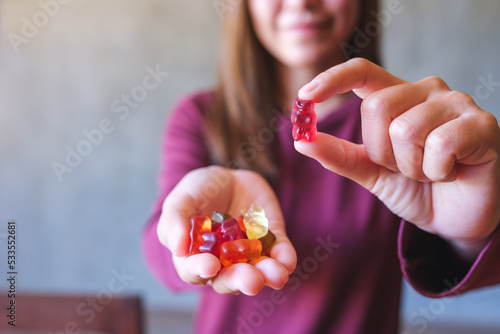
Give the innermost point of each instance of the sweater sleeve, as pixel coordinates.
(182, 150)
(431, 268)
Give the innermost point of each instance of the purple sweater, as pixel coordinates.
(351, 248)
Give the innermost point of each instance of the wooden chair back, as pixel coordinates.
(62, 314)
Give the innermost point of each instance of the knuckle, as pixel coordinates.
(460, 98)
(374, 105)
(490, 129)
(486, 121)
(360, 62)
(402, 130)
(438, 143)
(435, 81)
(490, 120)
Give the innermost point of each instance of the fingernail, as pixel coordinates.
(206, 276)
(309, 87)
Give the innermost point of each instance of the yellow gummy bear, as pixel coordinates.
(255, 221)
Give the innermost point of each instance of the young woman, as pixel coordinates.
(416, 187)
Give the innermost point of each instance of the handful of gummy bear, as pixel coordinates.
(232, 240)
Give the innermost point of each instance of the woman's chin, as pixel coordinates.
(309, 58)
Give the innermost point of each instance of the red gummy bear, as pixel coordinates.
(199, 226)
(304, 120)
(228, 230)
(211, 244)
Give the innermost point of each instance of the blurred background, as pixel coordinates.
(85, 88)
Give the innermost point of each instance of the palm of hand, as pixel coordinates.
(214, 188)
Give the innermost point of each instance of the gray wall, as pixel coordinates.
(72, 74)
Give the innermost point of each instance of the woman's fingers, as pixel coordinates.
(412, 128)
(274, 273)
(238, 278)
(378, 112)
(248, 279)
(284, 253)
(396, 123)
(174, 225)
(467, 140)
(202, 269)
(358, 74)
(342, 157)
(198, 268)
(412, 135)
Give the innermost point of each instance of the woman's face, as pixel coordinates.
(304, 33)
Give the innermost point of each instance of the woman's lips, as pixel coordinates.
(307, 26)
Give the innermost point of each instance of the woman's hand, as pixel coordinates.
(201, 192)
(429, 153)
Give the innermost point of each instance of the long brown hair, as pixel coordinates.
(247, 89)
